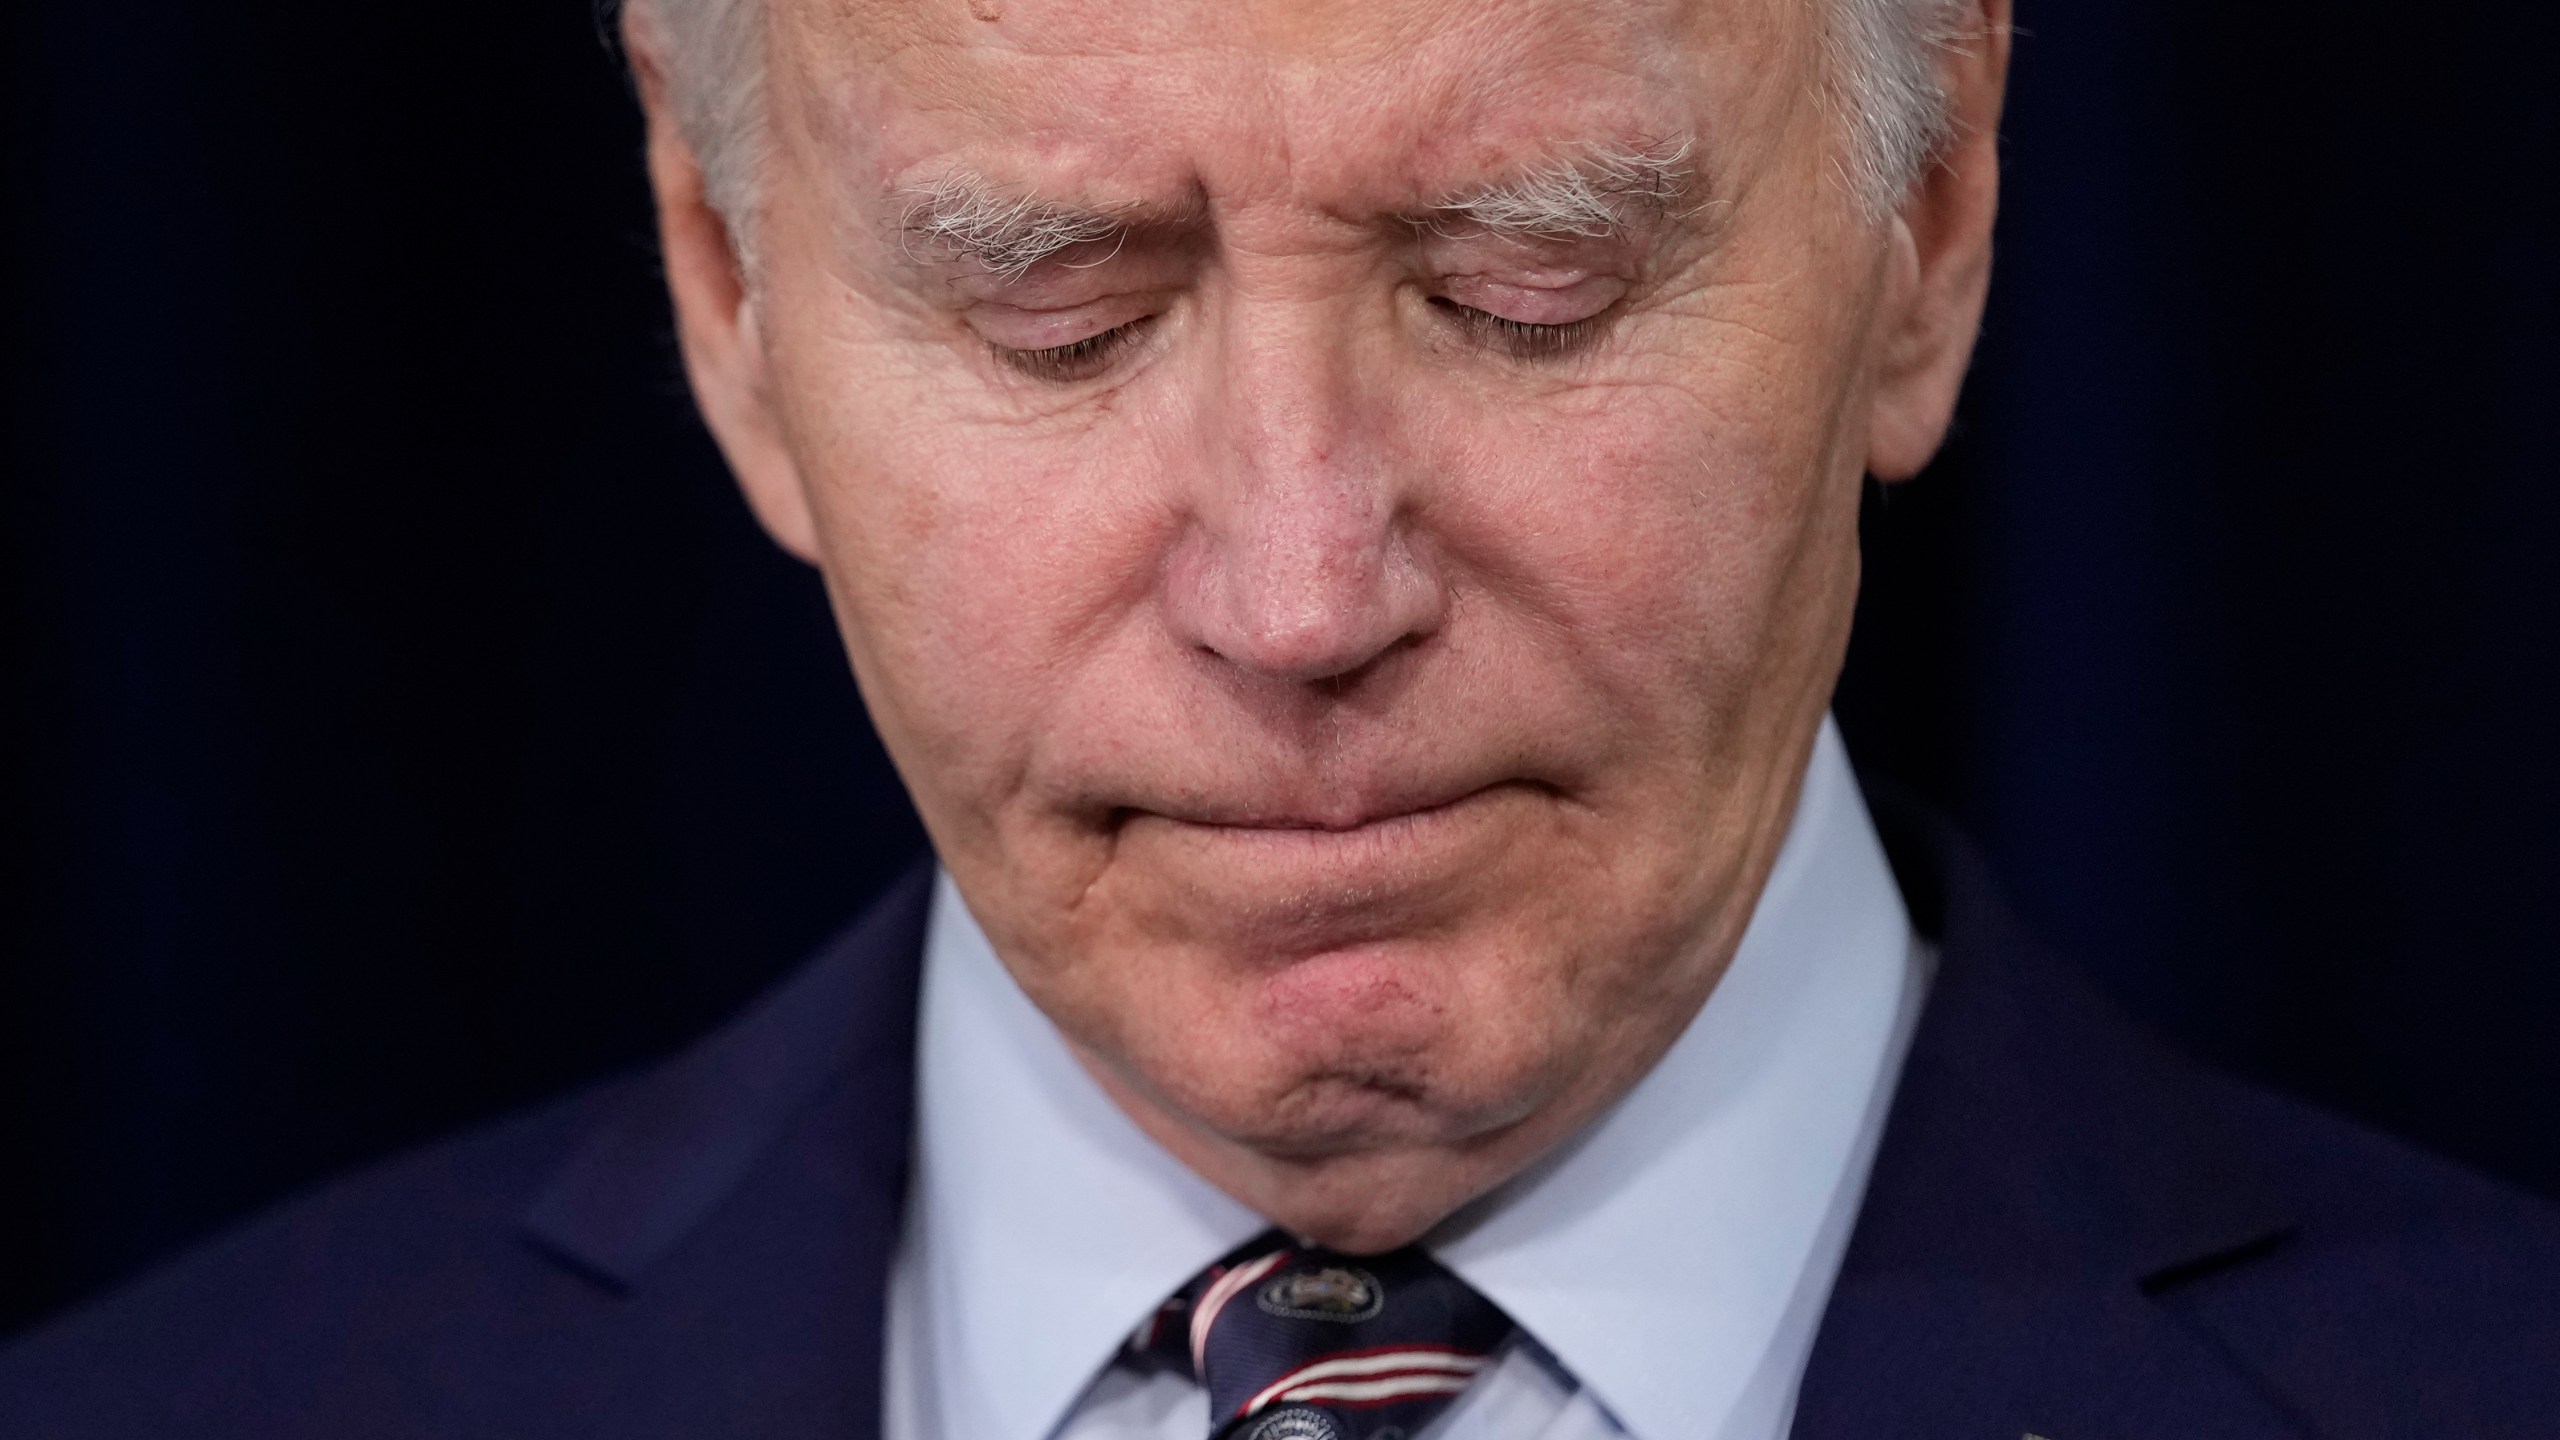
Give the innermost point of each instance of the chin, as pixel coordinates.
(1368, 1086)
(1379, 1196)
(1331, 1113)
(1373, 1215)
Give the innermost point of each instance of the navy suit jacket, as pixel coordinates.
(2070, 1232)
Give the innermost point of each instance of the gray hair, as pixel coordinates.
(713, 51)
(1884, 59)
(1884, 66)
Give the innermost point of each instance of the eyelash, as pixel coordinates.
(1522, 339)
(1077, 360)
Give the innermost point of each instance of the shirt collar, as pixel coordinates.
(1677, 1255)
(1043, 1225)
(1674, 1258)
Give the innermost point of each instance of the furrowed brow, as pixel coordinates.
(1591, 193)
(965, 216)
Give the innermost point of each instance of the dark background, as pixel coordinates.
(403, 720)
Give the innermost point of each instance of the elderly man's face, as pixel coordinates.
(1352, 635)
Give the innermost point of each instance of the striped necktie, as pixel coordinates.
(1303, 1344)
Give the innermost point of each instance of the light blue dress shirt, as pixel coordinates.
(1668, 1266)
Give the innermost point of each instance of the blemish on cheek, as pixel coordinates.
(988, 10)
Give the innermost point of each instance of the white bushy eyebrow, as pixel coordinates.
(1591, 192)
(964, 215)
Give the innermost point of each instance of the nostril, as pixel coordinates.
(1331, 658)
(1343, 682)
(1305, 585)
(1316, 624)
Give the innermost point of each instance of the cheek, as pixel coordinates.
(976, 571)
(1639, 525)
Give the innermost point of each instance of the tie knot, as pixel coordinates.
(1295, 1343)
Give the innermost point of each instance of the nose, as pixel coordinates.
(1301, 563)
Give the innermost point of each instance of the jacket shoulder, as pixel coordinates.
(331, 1314)
(2412, 1296)
(2073, 1228)
(697, 1250)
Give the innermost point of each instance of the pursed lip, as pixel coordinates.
(1319, 820)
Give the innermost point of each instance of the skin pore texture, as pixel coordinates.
(1356, 656)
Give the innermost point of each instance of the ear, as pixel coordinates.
(1941, 260)
(716, 328)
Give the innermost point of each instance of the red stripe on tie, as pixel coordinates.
(1378, 1364)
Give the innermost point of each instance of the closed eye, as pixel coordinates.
(1521, 339)
(1077, 359)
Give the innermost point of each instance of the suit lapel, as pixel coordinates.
(2047, 1170)
(738, 1207)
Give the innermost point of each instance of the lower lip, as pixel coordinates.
(1393, 841)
